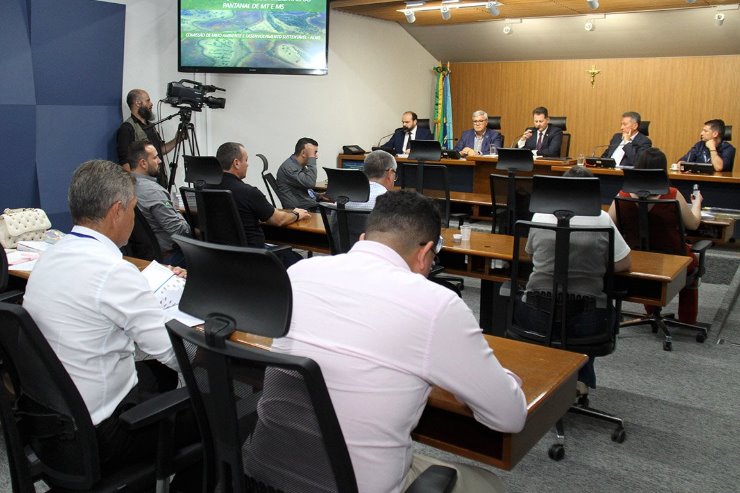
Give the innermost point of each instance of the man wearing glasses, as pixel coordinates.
(480, 138)
(383, 335)
(381, 170)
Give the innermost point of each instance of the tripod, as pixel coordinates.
(185, 132)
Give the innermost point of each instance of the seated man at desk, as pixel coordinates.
(627, 144)
(93, 307)
(587, 266)
(381, 171)
(400, 141)
(480, 138)
(252, 204)
(383, 339)
(543, 138)
(154, 201)
(296, 177)
(711, 148)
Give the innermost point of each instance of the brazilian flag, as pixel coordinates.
(443, 107)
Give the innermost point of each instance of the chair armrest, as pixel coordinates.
(278, 248)
(155, 409)
(11, 296)
(700, 247)
(435, 479)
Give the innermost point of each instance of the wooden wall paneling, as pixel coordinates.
(676, 94)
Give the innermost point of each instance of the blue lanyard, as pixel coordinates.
(82, 235)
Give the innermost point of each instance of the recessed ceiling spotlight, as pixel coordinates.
(589, 26)
(410, 16)
(594, 4)
(508, 29)
(719, 18)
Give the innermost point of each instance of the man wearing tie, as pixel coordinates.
(480, 138)
(543, 138)
(400, 141)
(626, 147)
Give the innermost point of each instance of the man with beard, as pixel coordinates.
(135, 128)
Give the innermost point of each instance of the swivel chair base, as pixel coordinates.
(659, 321)
(557, 450)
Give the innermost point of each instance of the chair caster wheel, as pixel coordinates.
(701, 337)
(556, 451)
(667, 346)
(582, 400)
(619, 435)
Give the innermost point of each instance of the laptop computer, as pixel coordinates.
(645, 181)
(700, 168)
(601, 162)
(425, 150)
(515, 159)
(204, 169)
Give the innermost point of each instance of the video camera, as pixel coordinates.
(193, 96)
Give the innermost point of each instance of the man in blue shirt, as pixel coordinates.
(711, 148)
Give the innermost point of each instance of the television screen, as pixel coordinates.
(264, 36)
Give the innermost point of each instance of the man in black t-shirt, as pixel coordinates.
(251, 203)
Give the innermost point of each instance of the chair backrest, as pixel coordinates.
(565, 145)
(728, 133)
(142, 243)
(345, 185)
(343, 226)
(644, 127)
(651, 224)
(508, 208)
(219, 218)
(262, 414)
(423, 123)
(428, 177)
(559, 121)
(187, 195)
(556, 314)
(41, 409)
(202, 170)
(269, 179)
(494, 123)
(3, 270)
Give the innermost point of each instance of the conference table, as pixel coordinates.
(472, 175)
(548, 381)
(654, 278)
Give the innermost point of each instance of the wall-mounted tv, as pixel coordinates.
(260, 36)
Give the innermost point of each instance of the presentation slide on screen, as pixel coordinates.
(279, 34)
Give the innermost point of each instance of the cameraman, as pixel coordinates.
(133, 129)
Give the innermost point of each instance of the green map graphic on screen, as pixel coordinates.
(287, 34)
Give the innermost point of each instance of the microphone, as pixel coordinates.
(602, 146)
(384, 137)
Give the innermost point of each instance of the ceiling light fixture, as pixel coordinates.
(410, 16)
(445, 11)
(589, 25)
(719, 18)
(594, 4)
(508, 29)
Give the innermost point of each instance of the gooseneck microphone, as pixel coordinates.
(384, 137)
(602, 146)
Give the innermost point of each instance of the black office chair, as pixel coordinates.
(344, 226)
(558, 308)
(505, 211)
(424, 123)
(187, 195)
(219, 218)
(559, 121)
(431, 177)
(494, 123)
(644, 225)
(728, 133)
(267, 418)
(48, 432)
(142, 243)
(12, 295)
(512, 161)
(269, 179)
(644, 127)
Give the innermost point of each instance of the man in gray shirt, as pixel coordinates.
(297, 177)
(154, 201)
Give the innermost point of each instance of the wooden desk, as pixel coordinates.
(548, 381)
(139, 263)
(653, 280)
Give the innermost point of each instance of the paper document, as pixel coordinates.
(32, 246)
(22, 261)
(166, 286)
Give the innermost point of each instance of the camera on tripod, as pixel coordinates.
(189, 93)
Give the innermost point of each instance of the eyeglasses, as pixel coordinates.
(437, 247)
(395, 173)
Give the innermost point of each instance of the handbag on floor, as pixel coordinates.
(22, 225)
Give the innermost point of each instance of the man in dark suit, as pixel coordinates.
(543, 138)
(480, 138)
(400, 141)
(627, 145)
